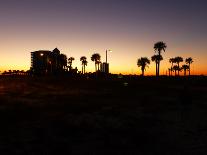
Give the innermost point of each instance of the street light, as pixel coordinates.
(107, 53)
(105, 66)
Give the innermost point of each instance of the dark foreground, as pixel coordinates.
(65, 116)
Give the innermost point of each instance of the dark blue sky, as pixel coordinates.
(159, 15)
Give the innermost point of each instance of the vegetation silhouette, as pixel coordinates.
(54, 63)
(156, 59)
(176, 68)
(97, 59)
(189, 61)
(57, 61)
(63, 61)
(170, 71)
(70, 62)
(185, 68)
(143, 63)
(178, 60)
(159, 47)
(84, 61)
(15, 72)
(172, 61)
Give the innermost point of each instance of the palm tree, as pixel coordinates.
(175, 68)
(170, 71)
(159, 47)
(156, 59)
(178, 60)
(143, 63)
(70, 62)
(84, 61)
(172, 61)
(63, 61)
(185, 67)
(189, 61)
(97, 59)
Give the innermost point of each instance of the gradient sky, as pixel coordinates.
(82, 27)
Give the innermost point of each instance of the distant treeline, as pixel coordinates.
(16, 72)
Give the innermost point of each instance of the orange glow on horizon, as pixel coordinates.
(122, 60)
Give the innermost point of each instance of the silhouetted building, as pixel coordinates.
(48, 62)
(104, 67)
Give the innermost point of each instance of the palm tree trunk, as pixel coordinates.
(171, 69)
(84, 68)
(178, 69)
(156, 67)
(70, 67)
(142, 72)
(189, 69)
(184, 72)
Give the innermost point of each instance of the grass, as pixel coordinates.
(75, 116)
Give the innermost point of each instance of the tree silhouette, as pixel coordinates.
(175, 68)
(172, 61)
(185, 67)
(10, 72)
(97, 59)
(84, 61)
(170, 71)
(156, 59)
(63, 61)
(17, 72)
(159, 47)
(70, 62)
(189, 61)
(22, 72)
(143, 63)
(178, 60)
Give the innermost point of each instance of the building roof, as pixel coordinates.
(56, 50)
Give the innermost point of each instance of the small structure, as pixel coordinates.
(104, 67)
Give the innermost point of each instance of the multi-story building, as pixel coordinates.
(48, 62)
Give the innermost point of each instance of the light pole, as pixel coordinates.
(107, 54)
(105, 66)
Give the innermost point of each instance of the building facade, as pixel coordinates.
(48, 62)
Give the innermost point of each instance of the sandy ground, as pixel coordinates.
(124, 116)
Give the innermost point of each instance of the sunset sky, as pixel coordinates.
(83, 27)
